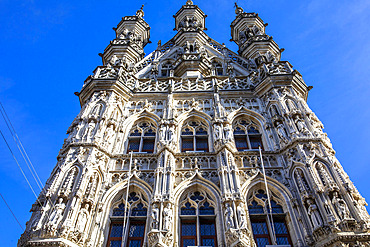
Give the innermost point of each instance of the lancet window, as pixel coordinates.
(197, 220)
(132, 229)
(246, 135)
(142, 137)
(265, 227)
(194, 137)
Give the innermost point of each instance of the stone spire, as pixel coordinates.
(132, 35)
(248, 32)
(190, 24)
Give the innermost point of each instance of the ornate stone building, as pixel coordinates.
(165, 150)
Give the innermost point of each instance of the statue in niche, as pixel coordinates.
(281, 132)
(89, 131)
(167, 217)
(228, 134)
(82, 218)
(162, 133)
(314, 214)
(301, 181)
(229, 214)
(218, 132)
(57, 215)
(171, 133)
(230, 70)
(108, 136)
(340, 206)
(242, 216)
(155, 217)
(302, 128)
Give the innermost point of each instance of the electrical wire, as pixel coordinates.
(15, 217)
(24, 154)
(20, 147)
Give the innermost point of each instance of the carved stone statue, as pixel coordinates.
(170, 133)
(281, 132)
(301, 126)
(162, 133)
(89, 131)
(314, 214)
(108, 136)
(167, 217)
(82, 218)
(340, 206)
(229, 214)
(57, 215)
(228, 134)
(242, 216)
(155, 217)
(218, 132)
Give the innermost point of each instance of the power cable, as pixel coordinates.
(30, 167)
(20, 147)
(15, 217)
(20, 168)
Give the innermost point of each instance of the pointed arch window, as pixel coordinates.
(219, 70)
(142, 137)
(194, 137)
(166, 69)
(136, 211)
(197, 220)
(262, 224)
(246, 135)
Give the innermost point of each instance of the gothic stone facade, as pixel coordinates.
(165, 150)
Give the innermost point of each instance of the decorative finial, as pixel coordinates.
(140, 12)
(189, 2)
(238, 10)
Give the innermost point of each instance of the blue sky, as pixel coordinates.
(48, 49)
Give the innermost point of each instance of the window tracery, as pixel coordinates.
(197, 220)
(194, 136)
(142, 137)
(136, 209)
(246, 135)
(262, 224)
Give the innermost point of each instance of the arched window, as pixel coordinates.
(194, 136)
(218, 68)
(142, 137)
(166, 68)
(197, 220)
(137, 211)
(246, 135)
(262, 224)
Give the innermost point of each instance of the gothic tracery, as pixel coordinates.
(165, 150)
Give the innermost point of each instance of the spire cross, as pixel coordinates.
(189, 2)
(238, 10)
